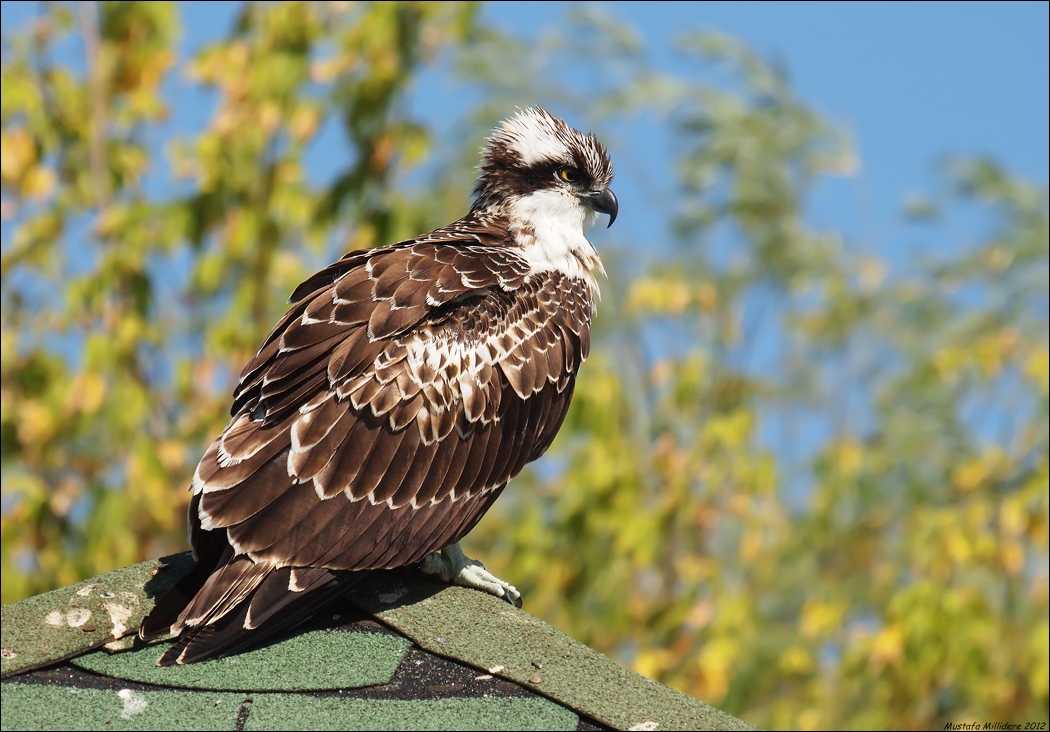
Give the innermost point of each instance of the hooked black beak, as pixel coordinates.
(604, 202)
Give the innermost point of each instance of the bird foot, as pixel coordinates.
(455, 567)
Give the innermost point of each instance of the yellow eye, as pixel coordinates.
(567, 174)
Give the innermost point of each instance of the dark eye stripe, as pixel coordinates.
(504, 174)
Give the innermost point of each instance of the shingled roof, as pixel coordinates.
(406, 652)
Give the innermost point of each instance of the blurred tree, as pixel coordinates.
(893, 576)
(126, 315)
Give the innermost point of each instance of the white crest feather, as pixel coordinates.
(534, 134)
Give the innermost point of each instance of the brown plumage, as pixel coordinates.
(394, 401)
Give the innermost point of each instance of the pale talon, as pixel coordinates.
(455, 567)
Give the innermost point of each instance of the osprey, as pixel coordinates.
(391, 405)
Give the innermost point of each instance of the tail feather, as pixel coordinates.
(195, 643)
(224, 590)
(212, 550)
(171, 604)
(229, 602)
(282, 589)
(275, 604)
(297, 609)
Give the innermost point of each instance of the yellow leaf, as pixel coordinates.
(729, 431)
(1037, 367)
(17, 154)
(796, 660)
(701, 614)
(85, 395)
(304, 122)
(64, 496)
(1039, 676)
(948, 361)
(810, 719)
(171, 454)
(716, 661)
(269, 116)
(820, 618)
(1011, 554)
(750, 546)
(979, 470)
(652, 662)
(1013, 515)
(959, 547)
(849, 458)
(36, 423)
(888, 647)
(38, 182)
(988, 352)
(678, 297)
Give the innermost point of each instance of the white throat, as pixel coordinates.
(548, 225)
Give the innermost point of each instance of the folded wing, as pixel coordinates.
(379, 421)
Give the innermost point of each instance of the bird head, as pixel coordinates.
(535, 161)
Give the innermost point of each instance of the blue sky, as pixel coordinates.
(912, 82)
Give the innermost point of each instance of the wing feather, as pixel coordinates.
(315, 424)
(230, 507)
(380, 462)
(445, 470)
(351, 355)
(242, 439)
(315, 451)
(264, 528)
(395, 471)
(511, 427)
(425, 459)
(475, 448)
(350, 539)
(341, 472)
(220, 474)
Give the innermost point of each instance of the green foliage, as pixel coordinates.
(877, 560)
(126, 316)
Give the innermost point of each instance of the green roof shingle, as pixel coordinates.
(439, 657)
